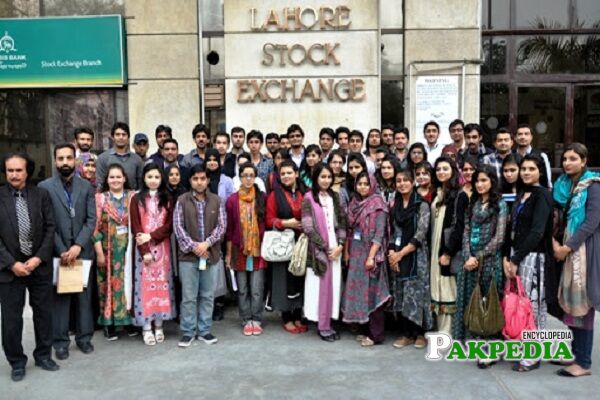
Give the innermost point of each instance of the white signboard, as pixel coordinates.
(310, 63)
(437, 99)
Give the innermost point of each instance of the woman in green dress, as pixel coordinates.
(113, 252)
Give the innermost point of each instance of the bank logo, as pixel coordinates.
(7, 43)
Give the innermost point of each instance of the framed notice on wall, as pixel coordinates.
(62, 52)
(437, 99)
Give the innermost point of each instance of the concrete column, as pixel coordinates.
(442, 30)
(162, 53)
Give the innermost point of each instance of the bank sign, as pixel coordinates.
(62, 52)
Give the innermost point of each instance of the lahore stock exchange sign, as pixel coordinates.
(294, 62)
(62, 52)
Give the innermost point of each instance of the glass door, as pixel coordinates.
(586, 120)
(543, 108)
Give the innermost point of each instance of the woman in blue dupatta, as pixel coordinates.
(577, 193)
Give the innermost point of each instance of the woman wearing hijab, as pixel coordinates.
(367, 289)
(219, 183)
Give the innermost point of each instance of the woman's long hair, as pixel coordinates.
(378, 176)
(494, 195)
(305, 169)
(452, 187)
(540, 166)
(161, 192)
(259, 198)
(315, 178)
(419, 145)
(126, 185)
(508, 187)
(359, 158)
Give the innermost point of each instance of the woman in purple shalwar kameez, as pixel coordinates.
(367, 291)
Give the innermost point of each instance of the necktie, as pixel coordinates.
(25, 242)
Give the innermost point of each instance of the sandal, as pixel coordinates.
(565, 372)
(518, 367)
(293, 330)
(149, 338)
(367, 342)
(159, 334)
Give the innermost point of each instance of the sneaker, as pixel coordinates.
(132, 331)
(403, 342)
(185, 341)
(257, 329)
(110, 334)
(248, 329)
(421, 342)
(208, 338)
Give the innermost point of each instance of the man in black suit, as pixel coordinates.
(26, 242)
(74, 208)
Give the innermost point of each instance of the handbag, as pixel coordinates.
(483, 315)
(277, 246)
(297, 265)
(517, 309)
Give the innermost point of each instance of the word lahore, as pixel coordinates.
(317, 54)
(442, 347)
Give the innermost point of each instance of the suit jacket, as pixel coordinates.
(42, 228)
(78, 230)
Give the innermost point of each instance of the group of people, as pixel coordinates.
(398, 236)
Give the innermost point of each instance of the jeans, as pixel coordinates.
(198, 293)
(582, 343)
(250, 294)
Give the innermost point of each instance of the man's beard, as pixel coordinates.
(84, 148)
(66, 171)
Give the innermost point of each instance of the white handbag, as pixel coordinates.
(277, 246)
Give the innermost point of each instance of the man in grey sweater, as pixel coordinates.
(120, 154)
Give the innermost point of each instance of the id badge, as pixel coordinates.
(121, 230)
(72, 212)
(398, 240)
(357, 235)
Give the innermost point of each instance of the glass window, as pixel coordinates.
(539, 14)
(391, 54)
(553, 54)
(494, 109)
(81, 7)
(390, 14)
(500, 14)
(212, 15)
(392, 103)
(586, 127)
(588, 13)
(494, 55)
(22, 128)
(543, 109)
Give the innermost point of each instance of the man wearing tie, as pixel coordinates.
(26, 242)
(74, 208)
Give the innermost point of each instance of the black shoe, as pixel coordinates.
(327, 338)
(132, 331)
(62, 353)
(110, 334)
(17, 374)
(218, 313)
(336, 336)
(47, 365)
(86, 348)
(209, 338)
